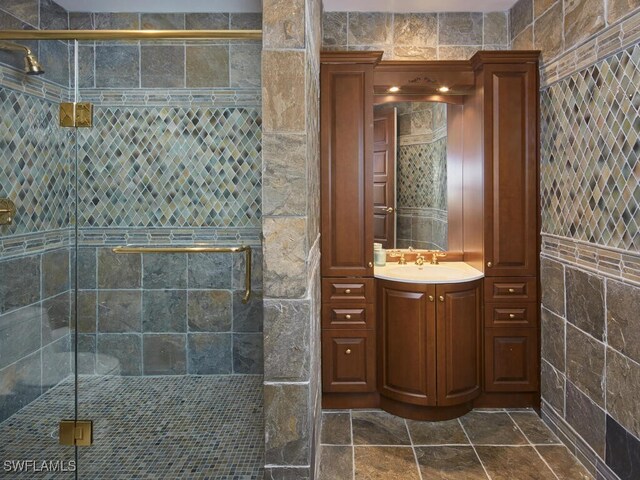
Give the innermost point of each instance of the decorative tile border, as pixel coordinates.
(609, 262)
(36, 86)
(219, 97)
(607, 42)
(12, 246)
(168, 236)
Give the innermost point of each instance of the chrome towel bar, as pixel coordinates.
(199, 249)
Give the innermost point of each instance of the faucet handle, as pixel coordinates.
(419, 259)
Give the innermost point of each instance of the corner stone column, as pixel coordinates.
(290, 204)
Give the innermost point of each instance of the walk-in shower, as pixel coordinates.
(130, 273)
(31, 64)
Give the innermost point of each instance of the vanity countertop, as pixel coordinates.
(445, 272)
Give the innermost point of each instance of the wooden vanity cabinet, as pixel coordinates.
(429, 342)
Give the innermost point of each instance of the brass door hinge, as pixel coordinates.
(76, 114)
(76, 432)
(7, 211)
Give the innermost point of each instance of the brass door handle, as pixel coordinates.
(441, 298)
(348, 351)
(347, 291)
(347, 316)
(512, 290)
(489, 264)
(389, 209)
(370, 264)
(511, 315)
(431, 298)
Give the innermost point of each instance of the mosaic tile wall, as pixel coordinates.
(35, 166)
(590, 274)
(591, 154)
(416, 36)
(171, 167)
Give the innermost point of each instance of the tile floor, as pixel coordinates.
(484, 444)
(165, 427)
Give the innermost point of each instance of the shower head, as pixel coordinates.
(31, 64)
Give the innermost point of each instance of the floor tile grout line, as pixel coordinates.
(532, 446)
(413, 449)
(474, 449)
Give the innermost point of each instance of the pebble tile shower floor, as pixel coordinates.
(186, 427)
(482, 445)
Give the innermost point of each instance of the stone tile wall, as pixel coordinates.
(167, 314)
(590, 266)
(416, 36)
(290, 70)
(35, 334)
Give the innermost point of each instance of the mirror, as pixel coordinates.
(410, 175)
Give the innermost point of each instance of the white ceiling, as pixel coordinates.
(256, 5)
(415, 6)
(161, 6)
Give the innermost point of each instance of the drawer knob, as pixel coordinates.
(441, 298)
(347, 291)
(489, 264)
(348, 351)
(347, 316)
(512, 315)
(370, 264)
(431, 298)
(511, 290)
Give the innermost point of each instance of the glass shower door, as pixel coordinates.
(169, 354)
(37, 321)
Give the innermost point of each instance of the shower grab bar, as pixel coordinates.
(199, 249)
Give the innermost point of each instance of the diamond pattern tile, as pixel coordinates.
(35, 156)
(590, 151)
(422, 175)
(171, 166)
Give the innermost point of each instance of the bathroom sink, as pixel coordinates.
(446, 272)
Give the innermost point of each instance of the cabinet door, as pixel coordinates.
(511, 359)
(511, 182)
(459, 323)
(348, 361)
(384, 176)
(406, 346)
(346, 126)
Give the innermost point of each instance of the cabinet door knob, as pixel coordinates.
(370, 264)
(347, 316)
(389, 209)
(347, 291)
(512, 315)
(511, 290)
(441, 298)
(348, 351)
(489, 264)
(431, 298)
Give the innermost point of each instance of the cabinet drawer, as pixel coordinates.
(347, 316)
(359, 290)
(507, 289)
(348, 361)
(511, 314)
(511, 360)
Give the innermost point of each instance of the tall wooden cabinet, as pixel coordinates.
(348, 296)
(509, 90)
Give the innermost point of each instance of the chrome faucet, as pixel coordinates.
(420, 260)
